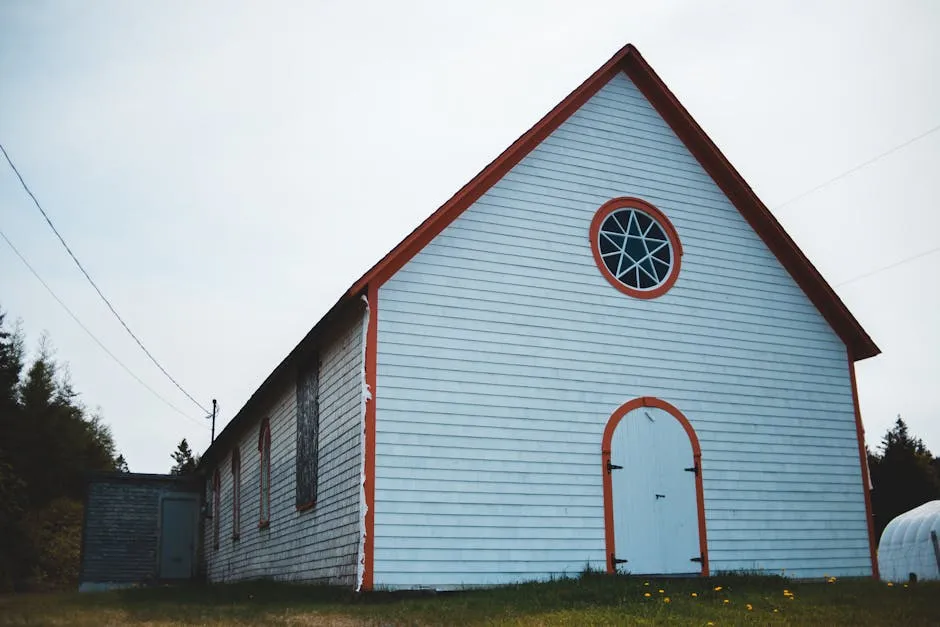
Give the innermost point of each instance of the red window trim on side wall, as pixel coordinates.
(216, 506)
(264, 483)
(236, 493)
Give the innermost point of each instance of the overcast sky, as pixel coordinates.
(226, 170)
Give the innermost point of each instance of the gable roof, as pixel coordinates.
(628, 60)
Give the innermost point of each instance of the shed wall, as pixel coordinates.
(502, 352)
(121, 534)
(317, 545)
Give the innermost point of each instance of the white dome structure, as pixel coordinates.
(910, 544)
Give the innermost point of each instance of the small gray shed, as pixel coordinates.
(139, 529)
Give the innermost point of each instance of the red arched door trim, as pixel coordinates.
(623, 410)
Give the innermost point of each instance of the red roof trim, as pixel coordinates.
(629, 60)
(859, 343)
(491, 174)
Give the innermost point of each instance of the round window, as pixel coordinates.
(636, 247)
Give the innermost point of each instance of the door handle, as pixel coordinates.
(660, 496)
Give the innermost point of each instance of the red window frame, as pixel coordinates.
(626, 202)
(264, 478)
(216, 506)
(236, 493)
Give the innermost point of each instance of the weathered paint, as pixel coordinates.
(502, 351)
(319, 544)
(123, 527)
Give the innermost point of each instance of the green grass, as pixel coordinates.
(588, 600)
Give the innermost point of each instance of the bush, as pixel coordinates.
(55, 534)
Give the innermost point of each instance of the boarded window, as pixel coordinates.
(236, 493)
(308, 429)
(264, 449)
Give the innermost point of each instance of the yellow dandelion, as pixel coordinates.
(646, 594)
(726, 601)
(776, 610)
(661, 590)
(905, 585)
(791, 597)
(786, 593)
(694, 594)
(646, 583)
(709, 623)
(717, 588)
(666, 600)
(890, 584)
(749, 607)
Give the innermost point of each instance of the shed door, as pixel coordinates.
(177, 537)
(654, 495)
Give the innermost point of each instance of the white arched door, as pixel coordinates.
(653, 489)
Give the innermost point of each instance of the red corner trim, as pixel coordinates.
(623, 410)
(619, 203)
(629, 60)
(372, 333)
(863, 461)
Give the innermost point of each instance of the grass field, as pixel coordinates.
(587, 600)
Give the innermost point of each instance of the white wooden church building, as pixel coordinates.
(603, 350)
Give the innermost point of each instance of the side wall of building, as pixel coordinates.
(320, 544)
(502, 353)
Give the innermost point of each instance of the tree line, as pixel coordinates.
(48, 442)
(904, 475)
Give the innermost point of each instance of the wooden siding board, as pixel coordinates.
(503, 351)
(321, 544)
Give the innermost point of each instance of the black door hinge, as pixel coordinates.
(614, 561)
(696, 559)
(612, 467)
(693, 469)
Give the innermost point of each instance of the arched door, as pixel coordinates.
(652, 488)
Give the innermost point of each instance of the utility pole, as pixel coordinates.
(214, 406)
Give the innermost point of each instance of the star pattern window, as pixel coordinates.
(635, 247)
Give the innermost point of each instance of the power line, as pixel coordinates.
(92, 335)
(890, 266)
(94, 285)
(858, 167)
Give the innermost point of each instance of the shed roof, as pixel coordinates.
(628, 60)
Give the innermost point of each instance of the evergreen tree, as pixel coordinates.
(186, 462)
(47, 444)
(904, 475)
(12, 484)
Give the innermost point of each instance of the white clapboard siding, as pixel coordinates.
(503, 352)
(321, 544)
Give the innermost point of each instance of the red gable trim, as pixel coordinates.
(629, 60)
